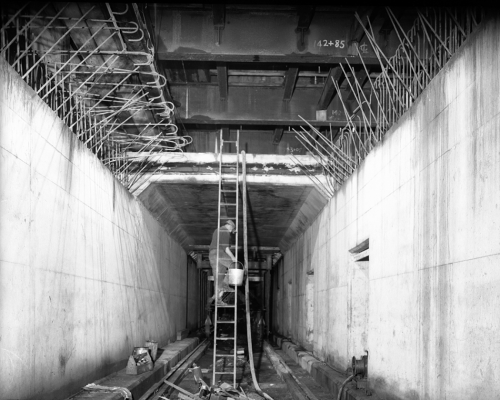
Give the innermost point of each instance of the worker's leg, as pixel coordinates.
(222, 284)
(224, 265)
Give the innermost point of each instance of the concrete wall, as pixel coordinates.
(426, 305)
(86, 273)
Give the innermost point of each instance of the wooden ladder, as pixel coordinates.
(228, 207)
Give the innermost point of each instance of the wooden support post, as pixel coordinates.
(267, 291)
(199, 259)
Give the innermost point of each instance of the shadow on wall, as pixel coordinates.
(97, 274)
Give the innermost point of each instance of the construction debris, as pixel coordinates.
(92, 387)
(224, 391)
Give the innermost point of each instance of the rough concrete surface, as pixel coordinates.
(427, 198)
(86, 273)
(138, 385)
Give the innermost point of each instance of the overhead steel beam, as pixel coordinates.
(252, 265)
(219, 14)
(268, 249)
(266, 36)
(278, 180)
(306, 14)
(225, 133)
(357, 32)
(279, 162)
(284, 122)
(278, 134)
(329, 88)
(272, 59)
(150, 28)
(290, 79)
(252, 106)
(222, 78)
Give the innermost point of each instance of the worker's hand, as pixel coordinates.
(230, 254)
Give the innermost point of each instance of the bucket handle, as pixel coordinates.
(234, 265)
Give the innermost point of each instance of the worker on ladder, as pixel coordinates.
(226, 258)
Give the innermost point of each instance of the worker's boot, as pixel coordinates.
(224, 285)
(220, 302)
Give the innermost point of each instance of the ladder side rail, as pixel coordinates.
(216, 277)
(222, 201)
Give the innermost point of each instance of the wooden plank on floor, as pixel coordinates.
(298, 391)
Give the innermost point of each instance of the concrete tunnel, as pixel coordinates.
(372, 172)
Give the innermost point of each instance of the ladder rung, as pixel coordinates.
(221, 218)
(228, 204)
(225, 322)
(223, 373)
(232, 190)
(225, 338)
(229, 141)
(224, 355)
(226, 306)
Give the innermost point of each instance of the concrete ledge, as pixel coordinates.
(139, 384)
(182, 334)
(323, 374)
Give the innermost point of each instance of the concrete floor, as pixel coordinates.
(267, 377)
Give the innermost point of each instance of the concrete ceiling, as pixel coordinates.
(276, 213)
(280, 202)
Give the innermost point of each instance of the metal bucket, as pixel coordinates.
(235, 276)
(152, 345)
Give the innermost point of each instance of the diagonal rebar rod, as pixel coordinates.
(317, 183)
(27, 26)
(352, 125)
(16, 14)
(403, 47)
(398, 27)
(348, 160)
(358, 97)
(424, 19)
(82, 62)
(320, 157)
(338, 151)
(89, 79)
(374, 91)
(378, 51)
(57, 42)
(104, 97)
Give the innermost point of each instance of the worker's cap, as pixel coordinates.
(229, 222)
